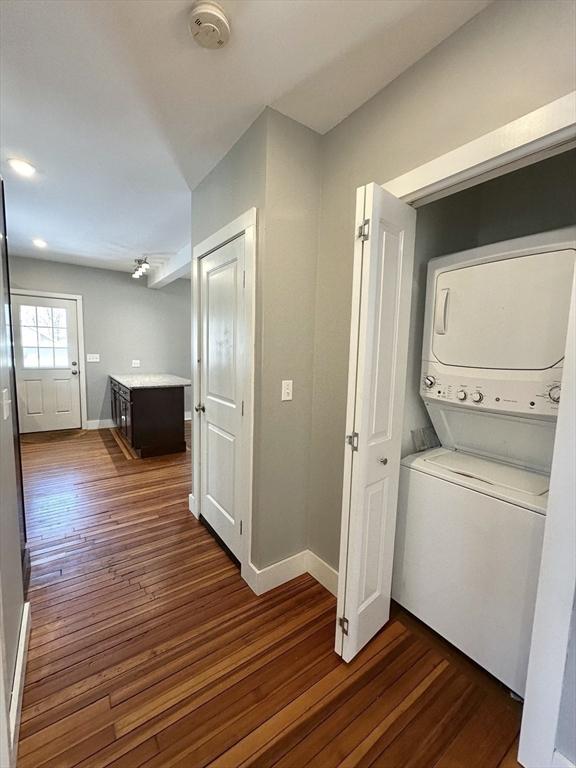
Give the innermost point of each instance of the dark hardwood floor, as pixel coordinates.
(147, 648)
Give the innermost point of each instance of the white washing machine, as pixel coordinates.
(471, 514)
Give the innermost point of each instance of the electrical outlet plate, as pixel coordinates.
(92, 357)
(135, 363)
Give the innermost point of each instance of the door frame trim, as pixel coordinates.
(80, 331)
(539, 134)
(245, 224)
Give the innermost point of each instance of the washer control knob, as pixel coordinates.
(477, 397)
(554, 393)
(429, 381)
(461, 395)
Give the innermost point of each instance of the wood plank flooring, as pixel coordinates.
(147, 648)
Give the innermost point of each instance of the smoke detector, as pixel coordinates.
(209, 25)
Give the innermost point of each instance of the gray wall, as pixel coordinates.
(510, 59)
(275, 167)
(123, 320)
(287, 278)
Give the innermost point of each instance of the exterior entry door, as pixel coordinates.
(47, 363)
(383, 265)
(222, 355)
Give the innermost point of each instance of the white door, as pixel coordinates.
(221, 382)
(383, 263)
(47, 364)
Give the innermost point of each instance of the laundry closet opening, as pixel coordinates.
(473, 479)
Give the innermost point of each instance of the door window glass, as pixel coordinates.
(43, 337)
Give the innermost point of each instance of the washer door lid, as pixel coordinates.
(492, 472)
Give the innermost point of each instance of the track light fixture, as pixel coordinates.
(141, 268)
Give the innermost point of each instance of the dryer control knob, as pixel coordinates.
(554, 393)
(461, 395)
(429, 381)
(477, 397)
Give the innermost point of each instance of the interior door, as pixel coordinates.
(47, 364)
(222, 307)
(383, 264)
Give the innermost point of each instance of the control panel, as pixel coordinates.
(530, 392)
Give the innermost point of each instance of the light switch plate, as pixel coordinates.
(135, 363)
(5, 404)
(92, 357)
(287, 389)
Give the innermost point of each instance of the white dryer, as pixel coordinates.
(471, 514)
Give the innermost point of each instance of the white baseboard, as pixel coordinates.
(187, 415)
(192, 506)
(322, 572)
(559, 761)
(262, 580)
(99, 424)
(19, 674)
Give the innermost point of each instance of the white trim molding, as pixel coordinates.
(559, 761)
(322, 572)
(245, 225)
(19, 675)
(99, 424)
(80, 329)
(192, 506)
(539, 134)
(263, 580)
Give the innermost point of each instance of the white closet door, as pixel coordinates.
(383, 264)
(221, 372)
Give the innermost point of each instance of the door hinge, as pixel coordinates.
(240, 527)
(244, 279)
(343, 624)
(242, 407)
(352, 440)
(364, 230)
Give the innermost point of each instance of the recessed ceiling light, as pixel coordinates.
(22, 167)
(39, 243)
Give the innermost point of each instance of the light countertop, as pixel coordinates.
(150, 380)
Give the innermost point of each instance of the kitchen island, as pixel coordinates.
(148, 411)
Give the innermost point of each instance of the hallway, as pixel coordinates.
(147, 648)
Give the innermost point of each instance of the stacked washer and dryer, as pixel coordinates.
(471, 513)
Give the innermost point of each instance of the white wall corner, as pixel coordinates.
(264, 579)
(261, 580)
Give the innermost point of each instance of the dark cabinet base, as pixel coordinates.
(150, 420)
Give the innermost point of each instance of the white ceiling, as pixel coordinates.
(123, 114)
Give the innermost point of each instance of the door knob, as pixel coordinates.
(199, 408)
(383, 460)
(74, 373)
(74, 362)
